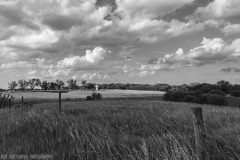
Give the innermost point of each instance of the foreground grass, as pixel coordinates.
(131, 130)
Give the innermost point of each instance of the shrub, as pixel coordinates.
(89, 98)
(96, 96)
(203, 99)
(217, 100)
(217, 92)
(235, 93)
(190, 99)
(198, 93)
(177, 96)
(167, 96)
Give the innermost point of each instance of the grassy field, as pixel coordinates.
(113, 130)
(32, 97)
(233, 101)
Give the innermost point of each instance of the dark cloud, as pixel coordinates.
(152, 60)
(111, 3)
(129, 57)
(188, 9)
(5, 34)
(60, 22)
(13, 15)
(229, 69)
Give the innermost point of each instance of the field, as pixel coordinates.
(33, 97)
(113, 130)
(233, 101)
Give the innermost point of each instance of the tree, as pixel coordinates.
(89, 85)
(223, 85)
(12, 85)
(22, 84)
(33, 83)
(60, 84)
(72, 84)
(84, 83)
(52, 86)
(44, 85)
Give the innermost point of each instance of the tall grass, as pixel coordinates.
(131, 130)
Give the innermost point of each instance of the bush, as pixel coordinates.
(177, 96)
(217, 100)
(198, 93)
(190, 99)
(217, 92)
(235, 93)
(96, 96)
(89, 98)
(203, 99)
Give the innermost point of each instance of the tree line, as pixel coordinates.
(31, 84)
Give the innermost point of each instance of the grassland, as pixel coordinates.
(233, 101)
(113, 130)
(34, 97)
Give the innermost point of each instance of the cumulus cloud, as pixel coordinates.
(16, 65)
(31, 41)
(89, 61)
(146, 73)
(148, 8)
(99, 76)
(229, 69)
(211, 51)
(231, 29)
(11, 14)
(59, 22)
(221, 9)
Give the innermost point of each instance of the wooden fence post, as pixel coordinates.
(9, 103)
(22, 101)
(199, 133)
(60, 107)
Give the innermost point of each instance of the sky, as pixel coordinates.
(120, 41)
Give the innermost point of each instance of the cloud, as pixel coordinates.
(220, 9)
(210, 52)
(51, 73)
(89, 61)
(16, 66)
(127, 68)
(231, 29)
(152, 60)
(148, 8)
(146, 73)
(12, 14)
(31, 41)
(32, 72)
(60, 22)
(229, 69)
(99, 76)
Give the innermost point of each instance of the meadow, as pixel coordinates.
(123, 129)
(39, 96)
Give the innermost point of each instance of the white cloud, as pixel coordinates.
(98, 76)
(211, 51)
(146, 73)
(148, 8)
(16, 65)
(55, 73)
(32, 72)
(231, 29)
(32, 39)
(219, 9)
(89, 61)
